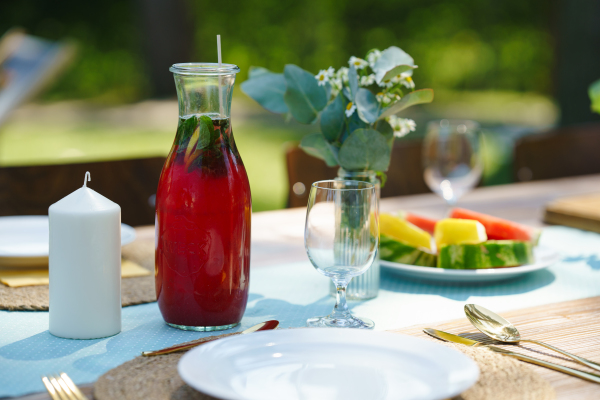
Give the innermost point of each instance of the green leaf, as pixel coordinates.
(391, 58)
(316, 145)
(187, 129)
(205, 134)
(365, 149)
(267, 89)
(382, 177)
(594, 92)
(386, 130)
(397, 70)
(347, 93)
(410, 99)
(333, 118)
(208, 122)
(354, 123)
(353, 82)
(303, 96)
(367, 105)
(255, 72)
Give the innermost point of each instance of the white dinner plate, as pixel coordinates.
(327, 364)
(24, 240)
(544, 258)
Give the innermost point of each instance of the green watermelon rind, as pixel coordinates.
(398, 252)
(490, 254)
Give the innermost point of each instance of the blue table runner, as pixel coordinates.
(292, 293)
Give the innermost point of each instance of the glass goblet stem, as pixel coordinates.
(340, 310)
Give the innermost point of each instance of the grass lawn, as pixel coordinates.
(73, 132)
(260, 137)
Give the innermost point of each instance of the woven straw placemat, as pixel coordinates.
(156, 378)
(133, 290)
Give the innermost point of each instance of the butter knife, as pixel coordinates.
(449, 337)
(263, 326)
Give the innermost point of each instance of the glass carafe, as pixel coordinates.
(203, 208)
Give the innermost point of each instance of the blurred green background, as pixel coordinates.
(493, 61)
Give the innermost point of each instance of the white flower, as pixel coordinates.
(342, 74)
(401, 78)
(401, 126)
(385, 98)
(358, 63)
(322, 77)
(373, 57)
(367, 80)
(330, 72)
(336, 83)
(382, 97)
(386, 84)
(350, 108)
(408, 82)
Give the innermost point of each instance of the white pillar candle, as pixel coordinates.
(85, 265)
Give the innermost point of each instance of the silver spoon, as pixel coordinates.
(498, 328)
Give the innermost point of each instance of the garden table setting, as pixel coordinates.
(351, 297)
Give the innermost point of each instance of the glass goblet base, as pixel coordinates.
(346, 322)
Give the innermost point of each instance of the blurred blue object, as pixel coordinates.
(27, 65)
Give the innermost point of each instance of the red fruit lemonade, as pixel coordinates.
(203, 209)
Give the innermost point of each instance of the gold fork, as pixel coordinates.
(61, 387)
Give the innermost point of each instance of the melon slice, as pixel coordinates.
(498, 228)
(427, 224)
(395, 251)
(403, 231)
(459, 231)
(491, 254)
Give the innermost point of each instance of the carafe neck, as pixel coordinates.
(204, 88)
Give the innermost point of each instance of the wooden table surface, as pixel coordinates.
(277, 236)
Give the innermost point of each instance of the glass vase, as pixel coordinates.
(203, 208)
(365, 286)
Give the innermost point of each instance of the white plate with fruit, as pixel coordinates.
(467, 247)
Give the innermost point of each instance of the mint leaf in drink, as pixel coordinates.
(208, 122)
(185, 131)
(205, 136)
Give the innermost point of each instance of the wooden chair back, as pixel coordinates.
(30, 190)
(567, 151)
(404, 176)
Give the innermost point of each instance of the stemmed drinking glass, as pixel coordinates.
(341, 238)
(451, 160)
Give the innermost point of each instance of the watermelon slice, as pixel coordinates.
(491, 254)
(498, 228)
(396, 251)
(427, 224)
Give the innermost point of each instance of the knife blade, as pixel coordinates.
(449, 337)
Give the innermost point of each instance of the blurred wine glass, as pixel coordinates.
(451, 159)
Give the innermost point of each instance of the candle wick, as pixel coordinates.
(87, 178)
